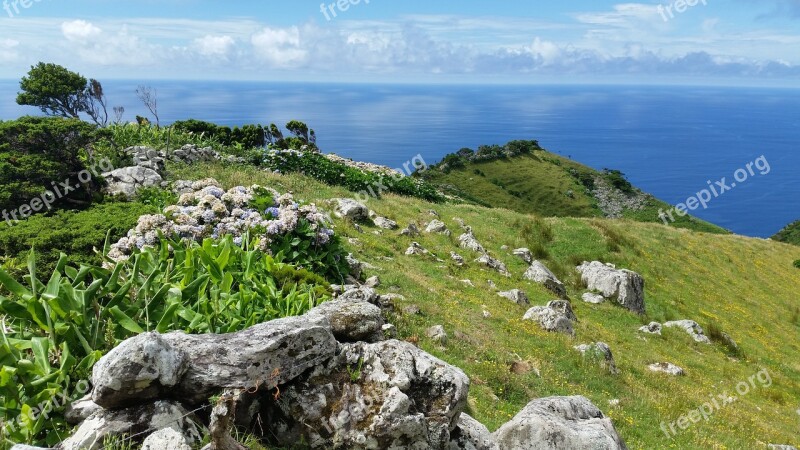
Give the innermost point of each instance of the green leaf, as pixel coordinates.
(12, 285)
(41, 350)
(125, 321)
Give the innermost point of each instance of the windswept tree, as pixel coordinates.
(149, 97)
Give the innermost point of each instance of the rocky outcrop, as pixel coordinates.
(550, 319)
(437, 226)
(352, 321)
(494, 264)
(559, 423)
(692, 328)
(128, 180)
(540, 274)
(470, 434)
(416, 249)
(468, 241)
(651, 328)
(517, 296)
(625, 287)
(525, 254)
(350, 209)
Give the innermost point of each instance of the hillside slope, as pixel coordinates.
(729, 284)
(539, 182)
(790, 234)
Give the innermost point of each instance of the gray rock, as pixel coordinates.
(437, 226)
(468, 241)
(416, 249)
(668, 368)
(356, 266)
(592, 298)
(517, 296)
(128, 180)
(395, 397)
(623, 286)
(651, 328)
(80, 410)
(770, 446)
(348, 208)
(559, 423)
(386, 224)
(373, 282)
(411, 230)
(389, 331)
(525, 254)
(470, 434)
(692, 328)
(28, 447)
(600, 351)
(131, 421)
(352, 321)
(550, 319)
(540, 274)
(437, 334)
(411, 310)
(360, 294)
(166, 439)
(564, 307)
(459, 260)
(494, 264)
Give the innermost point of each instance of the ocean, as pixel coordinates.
(669, 141)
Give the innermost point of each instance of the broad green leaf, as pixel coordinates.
(41, 350)
(125, 321)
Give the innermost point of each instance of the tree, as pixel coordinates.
(149, 97)
(53, 89)
(95, 103)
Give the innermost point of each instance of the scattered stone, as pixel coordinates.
(550, 319)
(493, 264)
(651, 328)
(668, 368)
(389, 331)
(491, 284)
(599, 350)
(128, 180)
(360, 294)
(356, 266)
(564, 307)
(166, 439)
(525, 254)
(383, 222)
(373, 282)
(776, 447)
(517, 296)
(623, 286)
(437, 334)
(468, 241)
(348, 208)
(470, 434)
(437, 226)
(80, 410)
(504, 248)
(692, 328)
(416, 249)
(460, 222)
(411, 230)
(459, 260)
(539, 273)
(411, 310)
(486, 314)
(593, 298)
(468, 283)
(559, 423)
(352, 321)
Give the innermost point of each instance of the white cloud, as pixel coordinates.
(80, 30)
(279, 47)
(215, 46)
(8, 50)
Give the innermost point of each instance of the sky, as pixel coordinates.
(737, 42)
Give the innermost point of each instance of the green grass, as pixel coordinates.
(740, 286)
(790, 234)
(545, 184)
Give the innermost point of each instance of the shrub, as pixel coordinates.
(797, 263)
(617, 179)
(57, 330)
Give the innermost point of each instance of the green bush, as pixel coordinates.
(797, 263)
(75, 233)
(248, 136)
(618, 180)
(54, 331)
(37, 154)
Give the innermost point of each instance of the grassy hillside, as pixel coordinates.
(740, 286)
(549, 185)
(790, 234)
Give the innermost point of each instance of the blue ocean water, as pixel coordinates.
(670, 141)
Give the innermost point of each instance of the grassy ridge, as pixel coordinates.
(790, 234)
(744, 287)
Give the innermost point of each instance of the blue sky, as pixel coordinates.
(746, 42)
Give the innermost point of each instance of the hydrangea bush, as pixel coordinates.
(293, 233)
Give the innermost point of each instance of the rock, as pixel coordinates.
(623, 286)
(360, 294)
(504, 248)
(28, 447)
(493, 264)
(437, 334)
(770, 447)
(352, 321)
(411, 230)
(491, 284)
(550, 319)
(559, 423)
(540, 274)
(667, 368)
(386, 224)
(386, 301)
(166, 439)
(128, 180)
(437, 226)
(470, 434)
(460, 223)
(389, 395)
(373, 282)
(132, 421)
(80, 410)
(564, 307)
(348, 208)
(459, 260)
(525, 254)
(195, 367)
(517, 296)
(137, 370)
(433, 213)
(468, 241)
(486, 314)
(651, 328)
(389, 331)
(356, 266)
(592, 298)
(601, 351)
(411, 310)
(692, 328)
(416, 249)
(468, 283)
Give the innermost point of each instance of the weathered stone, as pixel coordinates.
(668, 368)
(80, 410)
(348, 208)
(386, 224)
(134, 421)
(458, 259)
(550, 319)
(623, 286)
(352, 321)
(470, 434)
(517, 296)
(494, 264)
(166, 439)
(559, 423)
(593, 298)
(128, 180)
(437, 334)
(468, 241)
(540, 274)
(564, 307)
(411, 230)
(416, 249)
(601, 351)
(359, 294)
(651, 328)
(525, 254)
(437, 226)
(373, 282)
(356, 266)
(692, 328)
